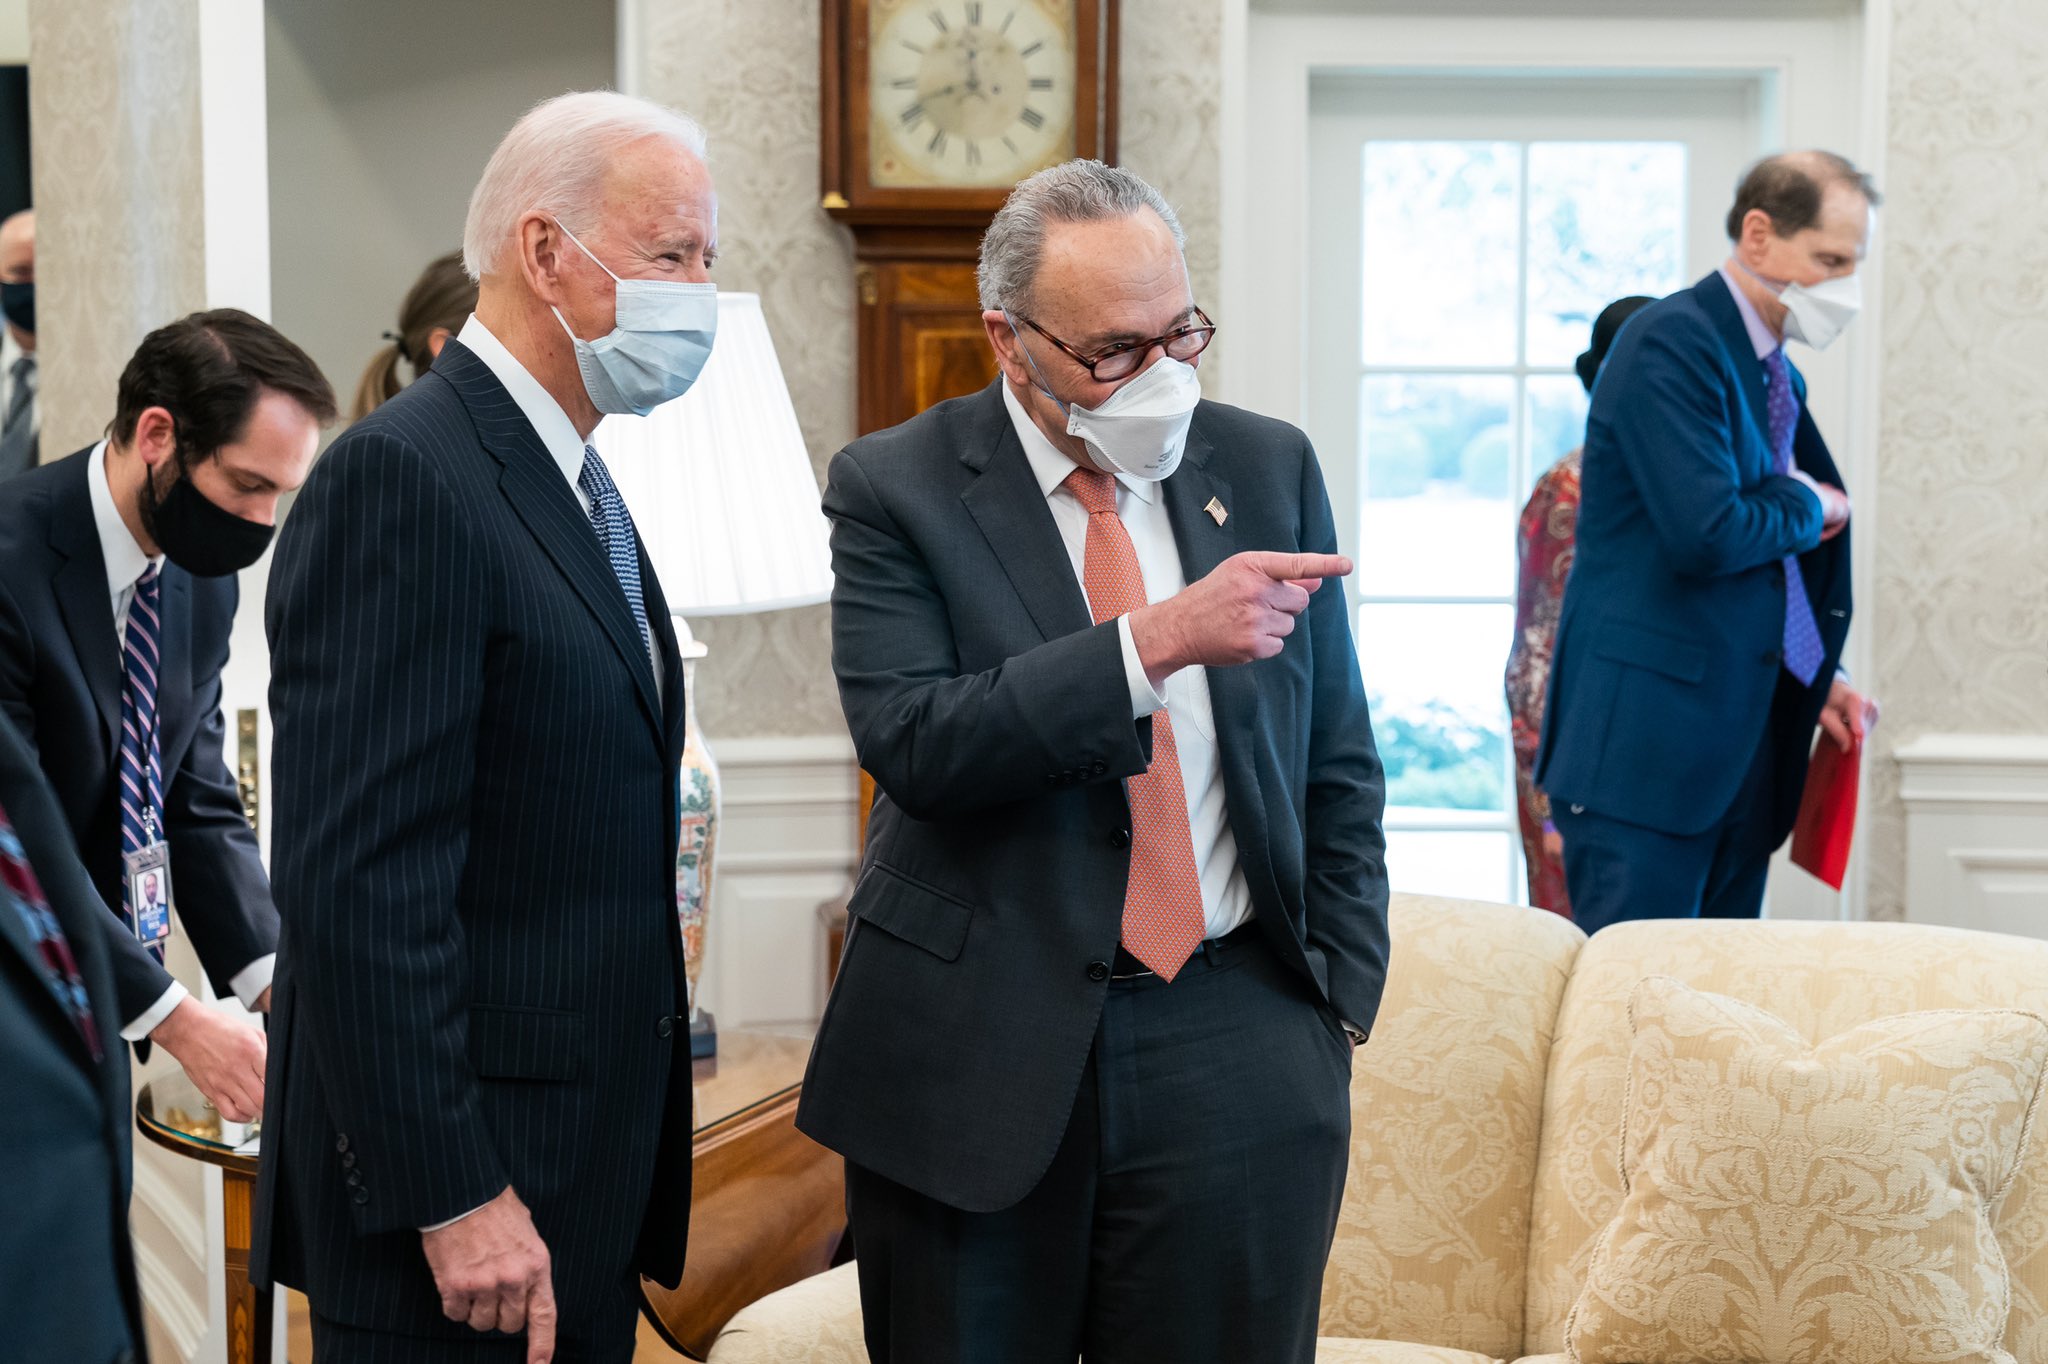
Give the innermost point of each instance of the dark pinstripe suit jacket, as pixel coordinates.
(60, 682)
(475, 866)
(996, 720)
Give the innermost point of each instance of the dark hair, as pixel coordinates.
(1789, 188)
(443, 296)
(1606, 327)
(208, 371)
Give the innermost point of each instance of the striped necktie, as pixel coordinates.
(615, 537)
(60, 969)
(1804, 652)
(1163, 922)
(142, 764)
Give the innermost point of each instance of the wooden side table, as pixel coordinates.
(768, 1204)
(171, 1112)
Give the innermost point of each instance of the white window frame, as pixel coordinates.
(1822, 62)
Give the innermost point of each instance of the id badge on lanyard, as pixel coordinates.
(148, 870)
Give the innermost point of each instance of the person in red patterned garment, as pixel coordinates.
(1543, 560)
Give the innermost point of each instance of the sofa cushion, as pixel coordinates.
(1445, 1104)
(1789, 1203)
(813, 1321)
(1337, 1350)
(1822, 979)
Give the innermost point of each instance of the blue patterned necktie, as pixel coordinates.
(615, 537)
(1804, 652)
(142, 764)
(60, 970)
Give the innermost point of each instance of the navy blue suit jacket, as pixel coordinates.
(996, 720)
(1668, 672)
(67, 1269)
(475, 864)
(60, 683)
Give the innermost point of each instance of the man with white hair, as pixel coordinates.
(1123, 912)
(478, 1121)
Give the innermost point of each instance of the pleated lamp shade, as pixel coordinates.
(720, 485)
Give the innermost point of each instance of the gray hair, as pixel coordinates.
(554, 161)
(1073, 192)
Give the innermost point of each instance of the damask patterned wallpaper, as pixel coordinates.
(120, 221)
(749, 73)
(1961, 596)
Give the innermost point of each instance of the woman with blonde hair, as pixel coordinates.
(435, 308)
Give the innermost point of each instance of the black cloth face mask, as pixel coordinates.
(196, 534)
(18, 304)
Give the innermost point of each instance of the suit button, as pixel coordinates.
(1098, 970)
(1119, 838)
(1052, 779)
(665, 1027)
(348, 1160)
(1098, 768)
(360, 1197)
(341, 1144)
(354, 1180)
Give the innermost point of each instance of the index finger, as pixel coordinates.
(540, 1322)
(1298, 566)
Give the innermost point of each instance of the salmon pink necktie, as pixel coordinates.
(1163, 922)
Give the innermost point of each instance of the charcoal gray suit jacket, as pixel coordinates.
(996, 721)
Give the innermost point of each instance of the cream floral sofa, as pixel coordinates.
(1486, 1114)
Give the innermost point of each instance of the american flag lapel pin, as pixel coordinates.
(1217, 511)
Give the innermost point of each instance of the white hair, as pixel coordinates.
(554, 161)
(1072, 192)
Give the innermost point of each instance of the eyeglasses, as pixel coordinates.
(1121, 360)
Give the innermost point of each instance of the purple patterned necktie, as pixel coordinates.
(1804, 652)
(142, 765)
(18, 883)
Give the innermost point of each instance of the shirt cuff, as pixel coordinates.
(1144, 699)
(453, 1220)
(252, 980)
(144, 1023)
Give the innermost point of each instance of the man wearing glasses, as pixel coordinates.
(1122, 917)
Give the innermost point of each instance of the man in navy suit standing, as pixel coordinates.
(1708, 604)
(478, 1124)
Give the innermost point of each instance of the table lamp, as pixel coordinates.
(721, 491)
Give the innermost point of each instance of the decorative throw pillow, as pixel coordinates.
(1796, 1204)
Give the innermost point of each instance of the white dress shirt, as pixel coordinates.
(550, 423)
(125, 562)
(1226, 899)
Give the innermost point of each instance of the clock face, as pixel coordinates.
(968, 92)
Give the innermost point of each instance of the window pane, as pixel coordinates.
(1468, 866)
(1606, 220)
(1442, 229)
(1556, 422)
(1436, 518)
(1433, 676)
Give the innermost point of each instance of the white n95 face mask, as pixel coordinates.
(1818, 313)
(1142, 428)
(661, 336)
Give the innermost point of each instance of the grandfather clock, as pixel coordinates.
(933, 110)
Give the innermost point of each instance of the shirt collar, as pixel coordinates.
(123, 558)
(1760, 334)
(535, 403)
(1048, 464)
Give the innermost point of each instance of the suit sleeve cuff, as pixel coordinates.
(144, 1023)
(1144, 699)
(252, 980)
(453, 1220)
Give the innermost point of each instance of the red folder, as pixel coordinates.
(1827, 812)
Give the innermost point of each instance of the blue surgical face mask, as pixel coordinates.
(660, 338)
